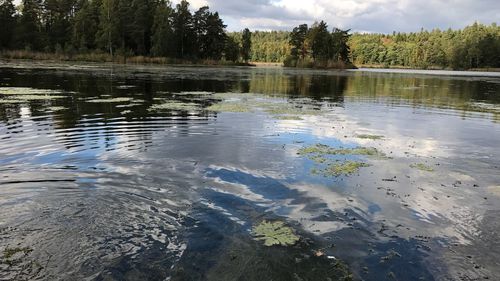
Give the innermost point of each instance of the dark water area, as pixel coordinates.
(134, 173)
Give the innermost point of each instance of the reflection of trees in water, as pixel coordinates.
(301, 85)
(422, 90)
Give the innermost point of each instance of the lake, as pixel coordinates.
(172, 173)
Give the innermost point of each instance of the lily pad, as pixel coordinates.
(275, 233)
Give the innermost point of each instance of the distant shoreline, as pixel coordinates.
(400, 67)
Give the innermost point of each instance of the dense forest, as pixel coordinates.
(119, 27)
(156, 28)
(475, 46)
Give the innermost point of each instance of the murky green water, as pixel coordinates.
(152, 173)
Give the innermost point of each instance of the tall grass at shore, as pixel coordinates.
(105, 57)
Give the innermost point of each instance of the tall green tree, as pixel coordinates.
(298, 41)
(109, 26)
(184, 30)
(163, 43)
(7, 22)
(86, 25)
(246, 44)
(320, 41)
(29, 28)
(142, 24)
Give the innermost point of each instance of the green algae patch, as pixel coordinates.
(286, 109)
(229, 107)
(422, 167)
(343, 168)
(11, 101)
(175, 106)
(275, 233)
(193, 94)
(288, 117)
(321, 149)
(9, 253)
(27, 91)
(111, 100)
(369, 137)
(56, 108)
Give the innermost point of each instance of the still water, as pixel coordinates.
(146, 173)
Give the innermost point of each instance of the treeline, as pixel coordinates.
(476, 46)
(316, 46)
(119, 27)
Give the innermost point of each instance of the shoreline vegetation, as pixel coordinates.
(13, 55)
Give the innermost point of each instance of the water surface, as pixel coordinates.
(93, 187)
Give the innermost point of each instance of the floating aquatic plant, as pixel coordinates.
(275, 233)
(343, 168)
(174, 106)
(321, 149)
(369, 137)
(56, 108)
(422, 167)
(229, 107)
(26, 91)
(111, 100)
(288, 117)
(11, 101)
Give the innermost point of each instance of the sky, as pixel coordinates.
(379, 16)
(384, 16)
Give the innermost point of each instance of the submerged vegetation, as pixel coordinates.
(275, 233)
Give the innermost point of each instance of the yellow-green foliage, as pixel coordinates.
(275, 233)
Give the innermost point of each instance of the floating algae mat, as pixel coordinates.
(422, 167)
(174, 106)
(111, 100)
(229, 107)
(27, 91)
(275, 233)
(321, 149)
(369, 137)
(56, 108)
(327, 166)
(341, 168)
